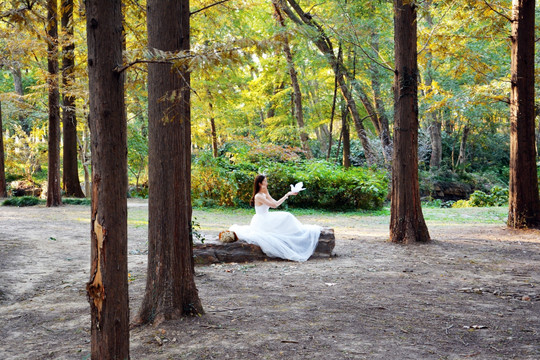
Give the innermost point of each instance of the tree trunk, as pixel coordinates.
(170, 286)
(72, 185)
(213, 132)
(382, 119)
(434, 124)
(3, 190)
(346, 137)
(524, 203)
(108, 285)
(324, 44)
(407, 223)
(54, 197)
(297, 94)
(463, 146)
(333, 112)
(18, 86)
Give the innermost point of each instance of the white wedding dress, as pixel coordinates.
(279, 234)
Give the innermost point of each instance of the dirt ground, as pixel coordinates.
(474, 292)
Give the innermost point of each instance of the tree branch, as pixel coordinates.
(495, 11)
(207, 7)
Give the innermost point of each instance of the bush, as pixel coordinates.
(76, 201)
(21, 201)
(497, 197)
(221, 182)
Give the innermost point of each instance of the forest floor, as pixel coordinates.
(473, 292)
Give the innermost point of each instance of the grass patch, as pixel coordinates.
(22, 201)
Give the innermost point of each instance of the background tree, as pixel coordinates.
(70, 174)
(108, 285)
(170, 285)
(3, 191)
(524, 203)
(54, 197)
(407, 223)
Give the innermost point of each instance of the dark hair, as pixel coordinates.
(256, 188)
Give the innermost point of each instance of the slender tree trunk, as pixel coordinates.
(463, 146)
(346, 137)
(18, 86)
(332, 118)
(297, 93)
(72, 185)
(3, 190)
(324, 44)
(524, 203)
(170, 286)
(382, 119)
(54, 197)
(407, 223)
(213, 131)
(108, 285)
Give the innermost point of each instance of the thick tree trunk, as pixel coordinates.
(524, 203)
(170, 286)
(297, 94)
(54, 196)
(72, 185)
(108, 285)
(407, 223)
(324, 44)
(3, 190)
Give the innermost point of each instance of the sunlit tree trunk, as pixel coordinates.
(297, 93)
(70, 175)
(407, 223)
(170, 284)
(346, 137)
(54, 196)
(107, 288)
(3, 190)
(524, 203)
(324, 44)
(463, 147)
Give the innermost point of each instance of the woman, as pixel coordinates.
(279, 234)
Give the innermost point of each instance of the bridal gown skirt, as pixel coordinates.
(279, 234)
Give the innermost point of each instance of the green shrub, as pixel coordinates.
(76, 201)
(223, 182)
(497, 197)
(21, 201)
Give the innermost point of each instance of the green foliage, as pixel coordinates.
(497, 197)
(22, 201)
(229, 182)
(76, 201)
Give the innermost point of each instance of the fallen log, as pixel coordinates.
(214, 251)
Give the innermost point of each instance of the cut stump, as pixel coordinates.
(214, 251)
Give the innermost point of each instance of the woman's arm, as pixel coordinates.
(268, 200)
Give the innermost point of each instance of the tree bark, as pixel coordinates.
(170, 286)
(213, 132)
(3, 190)
(324, 44)
(108, 285)
(72, 185)
(524, 203)
(54, 197)
(297, 93)
(407, 223)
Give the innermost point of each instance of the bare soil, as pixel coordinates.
(472, 293)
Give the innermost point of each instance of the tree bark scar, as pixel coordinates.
(95, 288)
